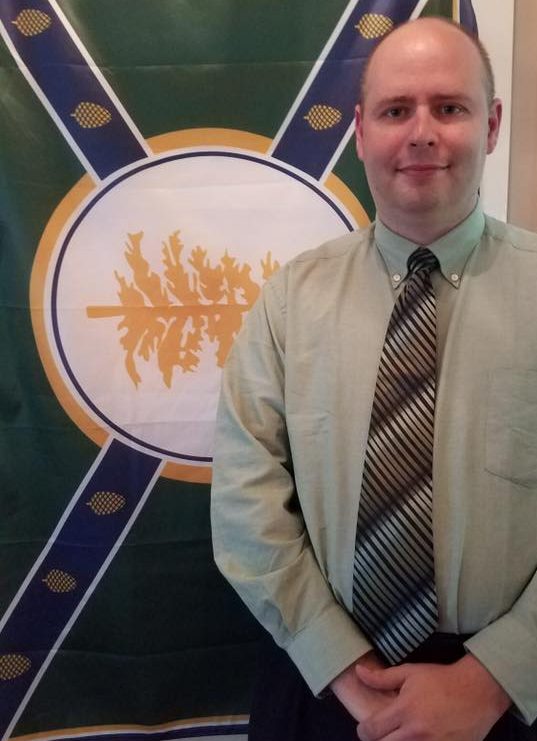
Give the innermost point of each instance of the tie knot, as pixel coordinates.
(423, 260)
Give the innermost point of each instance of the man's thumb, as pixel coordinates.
(382, 679)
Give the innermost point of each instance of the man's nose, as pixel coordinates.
(423, 133)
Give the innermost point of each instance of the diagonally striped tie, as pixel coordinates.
(394, 598)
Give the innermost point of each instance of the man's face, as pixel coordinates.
(425, 126)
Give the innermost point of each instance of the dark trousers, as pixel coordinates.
(283, 708)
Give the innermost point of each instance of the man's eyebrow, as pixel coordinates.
(463, 97)
(396, 99)
(408, 100)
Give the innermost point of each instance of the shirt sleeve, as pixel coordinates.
(508, 649)
(260, 541)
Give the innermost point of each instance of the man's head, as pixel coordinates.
(486, 65)
(425, 124)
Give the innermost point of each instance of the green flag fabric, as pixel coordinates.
(158, 162)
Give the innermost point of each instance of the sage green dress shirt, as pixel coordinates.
(292, 429)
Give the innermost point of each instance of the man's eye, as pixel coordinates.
(395, 112)
(450, 109)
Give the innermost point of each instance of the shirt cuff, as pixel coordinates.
(508, 650)
(326, 647)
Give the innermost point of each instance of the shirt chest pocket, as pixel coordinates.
(511, 435)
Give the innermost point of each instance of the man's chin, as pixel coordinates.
(422, 203)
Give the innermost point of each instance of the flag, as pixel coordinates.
(158, 162)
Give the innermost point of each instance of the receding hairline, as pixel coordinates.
(486, 65)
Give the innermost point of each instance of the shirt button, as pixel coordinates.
(397, 277)
(454, 277)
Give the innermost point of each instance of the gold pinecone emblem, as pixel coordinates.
(13, 665)
(106, 502)
(60, 581)
(374, 25)
(322, 117)
(91, 115)
(32, 22)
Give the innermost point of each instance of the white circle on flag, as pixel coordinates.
(153, 275)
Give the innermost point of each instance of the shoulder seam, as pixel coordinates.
(506, 239)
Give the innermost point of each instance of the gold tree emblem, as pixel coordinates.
(170, 316)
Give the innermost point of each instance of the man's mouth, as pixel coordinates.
(422, 168)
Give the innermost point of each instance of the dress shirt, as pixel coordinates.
(292, 431)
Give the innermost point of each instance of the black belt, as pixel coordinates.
(440, 648)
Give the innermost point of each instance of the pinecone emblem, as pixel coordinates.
(106, 502)
(32, 22)
(322, 117)
(374, 25)
(91, 115)
(60, 581)
(13, 665)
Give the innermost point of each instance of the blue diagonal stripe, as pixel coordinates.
(81, 548)
(65, 80)
(336, 84)
(467, 15)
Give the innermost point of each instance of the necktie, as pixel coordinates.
(394, 599)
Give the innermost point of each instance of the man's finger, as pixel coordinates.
(398, 735)
(379, 725)
(382, 679)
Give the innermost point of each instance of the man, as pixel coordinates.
(293, 445)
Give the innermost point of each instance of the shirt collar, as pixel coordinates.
(452, 250)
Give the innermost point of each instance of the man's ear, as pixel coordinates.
(494, 121)
(358, 130)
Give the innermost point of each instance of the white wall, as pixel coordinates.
(496, 22)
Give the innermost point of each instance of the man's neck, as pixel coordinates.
(424, 230)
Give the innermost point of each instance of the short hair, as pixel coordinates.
(488, 76)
